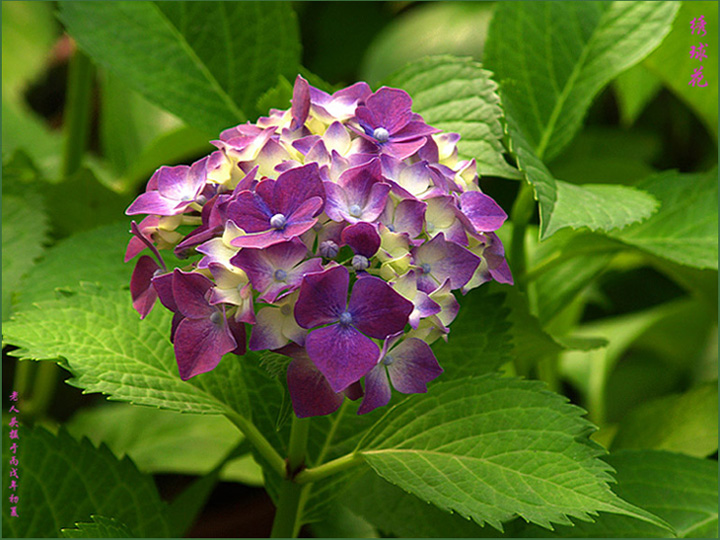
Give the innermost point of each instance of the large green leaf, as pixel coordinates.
(24, 230)
(63, 481)
(165, 441)
(674, 65)
(551, 59)
(457, 95)
(491, 448)
(205, 62)
(100, 527)
(686, 423)
(685, 229)
(108, 349)
(90, 256)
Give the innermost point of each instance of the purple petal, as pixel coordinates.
(375, 202)
(376, 309)
(362, 237)
(163, 285)
(152, 202)
(342, 354)
(200, 345)
(142, 292)
(391, 108)
(267, 331)
(412, 366)
(377, 390)
(409, 215)
(323, 297)
(310, 391)
(402, 149)
(300, 102)
(483, 213)
(237, 330)
(414, 130)
(250, 212)
(444, 260)
(295, 186)
(189, 290)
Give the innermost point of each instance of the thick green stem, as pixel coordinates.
(78, 107)
(328, 469)
(521, 213)
(257, 439)
(287, 518)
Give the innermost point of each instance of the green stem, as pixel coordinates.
(558, 258)
(328, 469)
(287, 518)
(46, 377)
(521, 213)
(78, 107)
(262, 445)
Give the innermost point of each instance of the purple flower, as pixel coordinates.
(342, 351)
(279, 209)
(388, 122)
(202, 332)
(310, 391)
(276, 270)
(410, 366)
(479, 213)
(171, 190)
(359, 195)
(438, 260)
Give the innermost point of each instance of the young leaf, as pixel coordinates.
(467, 445)
(206, 63)
(552, 59)
(24, 230)
(161, 441)
(457, 95)
(108, 349)
(63, 481)
(100, 527)
(685, 229)
(686, 423)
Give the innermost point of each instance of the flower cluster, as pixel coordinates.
(335, 232)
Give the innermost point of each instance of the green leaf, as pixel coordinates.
(24, 231)
(457, 95)
(341, 522)
(635, 88)
(396, 512)
(686, 423)
(674, 65)
(467, 445)
(429, 29)
(161, 441)
(108, 349)
(551, 59)
(680, 489)
(100, 527)
(91, 256)
(595, 206)
(479, 341)
(81, 202)
(28, 32)
(685, 229)
(63, 481)
(206, 63)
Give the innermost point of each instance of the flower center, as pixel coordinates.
(381, 134)
(278, 221)
(360, 262)
(425, 268)
(355, 210)
(387, 360)
(345, 318)
(216, 318)
(280, 275)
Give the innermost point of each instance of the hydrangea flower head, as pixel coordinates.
(333, 233)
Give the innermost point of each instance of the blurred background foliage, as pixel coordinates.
(629, 336)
